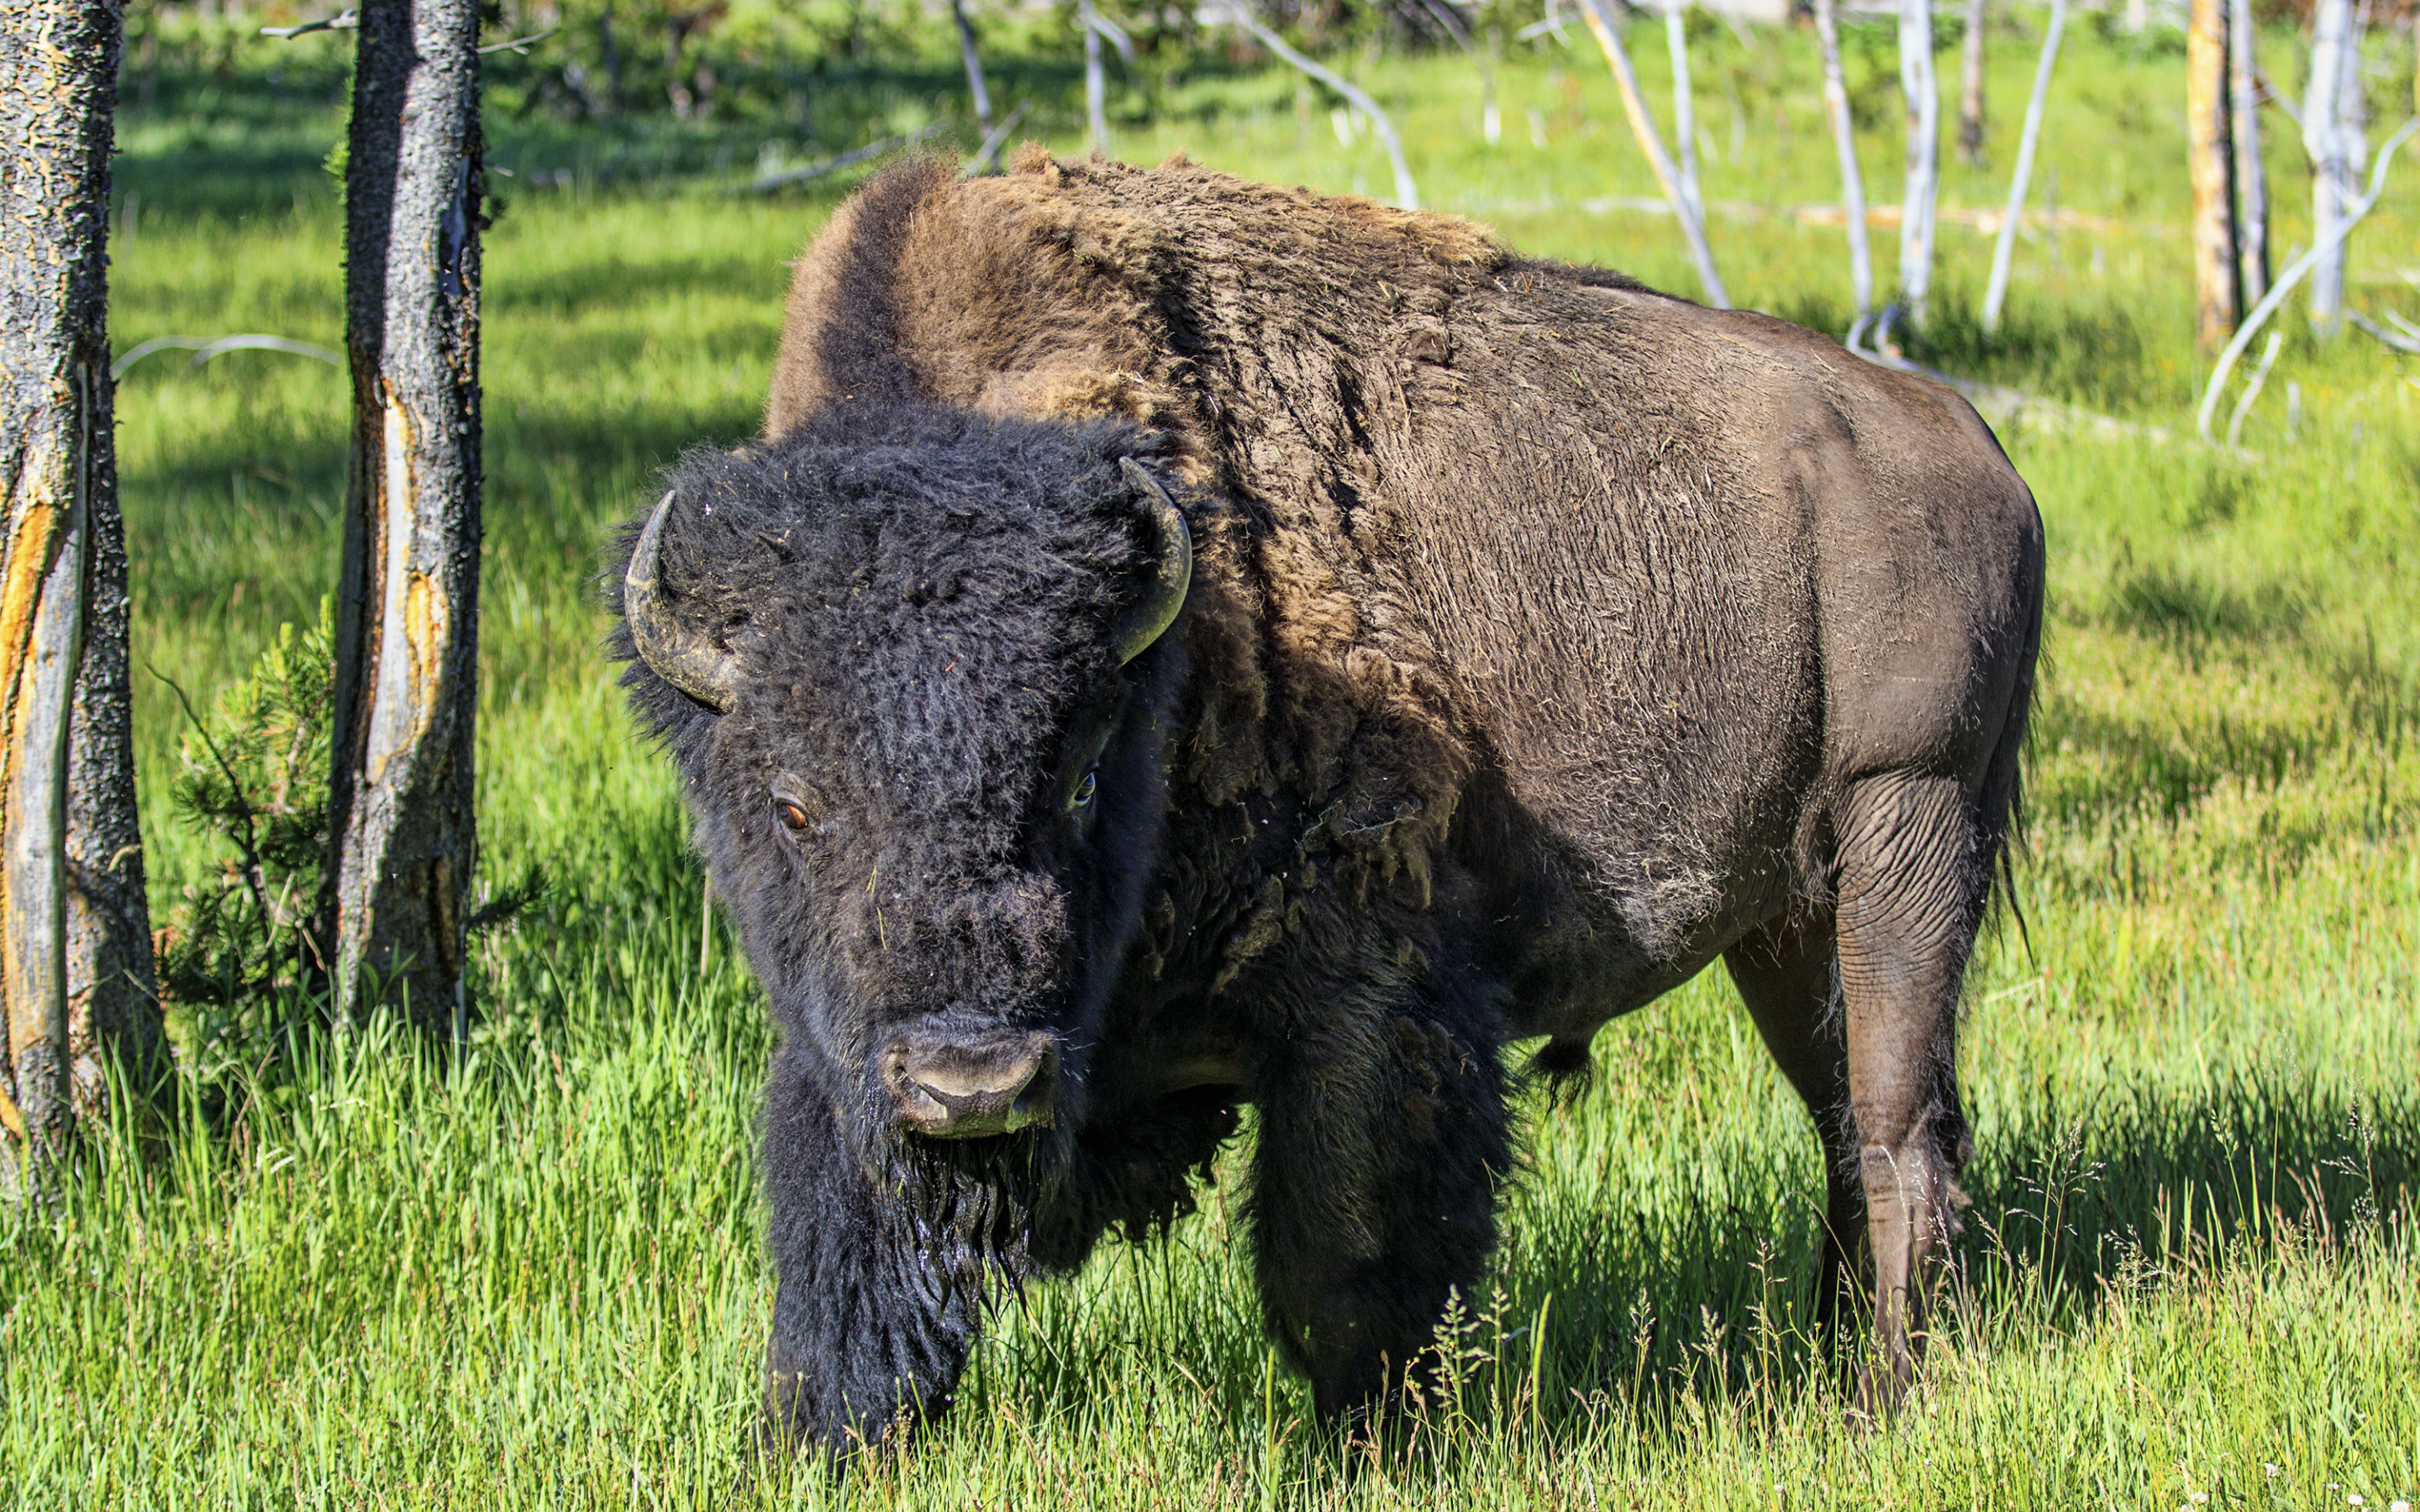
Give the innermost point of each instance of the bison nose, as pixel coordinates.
(964, 1089)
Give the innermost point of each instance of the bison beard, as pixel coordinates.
(1543, 640)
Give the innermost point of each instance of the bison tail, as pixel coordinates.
(2000, 814)
(1564, 1066)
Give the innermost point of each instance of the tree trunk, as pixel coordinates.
(1685, 107)
(1852, 180)
(112, 980)
(2251, 174)
(1642, 128)
(75, 988)
(1922, 94)
(1970, 86)
(1995, 293)
(974, 67)
(400, 821)
(2332, 173)
(2209, 147)
(1096, 120)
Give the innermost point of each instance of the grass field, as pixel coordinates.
(532, 1276)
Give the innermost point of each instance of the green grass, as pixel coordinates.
(532, 1276)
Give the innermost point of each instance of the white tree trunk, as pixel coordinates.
(1685, 107)
(1642, 127)
(1923, 101)
(2324, 139)
(2250, 175)
(2004, 250)
(1852, 180)
(1096, 119)
(1407, 194)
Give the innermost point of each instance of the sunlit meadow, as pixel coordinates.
(532, 1274)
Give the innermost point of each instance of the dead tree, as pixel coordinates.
(2004, 249)
(982, 96)
(2251, 174)
(1923, 101)
(75, 958)
(1096, 120)
(1651, 143)
(1852, 182)
(400, 822)
(1685, 107)
(2331, 137)
(1407, 194)
(2218, 299)
(1970, 85)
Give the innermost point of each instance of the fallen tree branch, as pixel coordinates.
(2294, 273)
(204, 349)
(1407, 194)
(2252, 391)
(2001, 406)
(343, 21)
(2401, 344)
(980, 162)
(518, 44)
(765, 184)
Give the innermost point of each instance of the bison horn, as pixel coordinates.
(1172, 572)
(673, 651)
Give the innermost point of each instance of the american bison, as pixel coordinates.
(1181, 642)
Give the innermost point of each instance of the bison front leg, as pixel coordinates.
(1373, 1194)
(1910, 898)
(865, 1337)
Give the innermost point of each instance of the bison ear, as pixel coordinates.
(1171, 568)
(674, 652)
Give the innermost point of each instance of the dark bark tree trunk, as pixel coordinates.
(2218, 298)
(400, 822)
(74, 933)
(112, 980)
(1970, 85)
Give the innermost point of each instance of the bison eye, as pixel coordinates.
(1085, 786)
(793, 817)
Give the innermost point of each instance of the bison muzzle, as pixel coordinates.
(1181, 644)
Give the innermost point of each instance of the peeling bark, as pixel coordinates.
(2218, 296)
(400, 818)
(75, 974)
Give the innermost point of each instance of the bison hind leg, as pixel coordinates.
(1789, 976)
(1912, 879)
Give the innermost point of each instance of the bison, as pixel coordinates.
(1181, 642)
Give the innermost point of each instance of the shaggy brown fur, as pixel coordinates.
(1549, 637)
(1450, 458)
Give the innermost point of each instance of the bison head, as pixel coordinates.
(912, 665)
